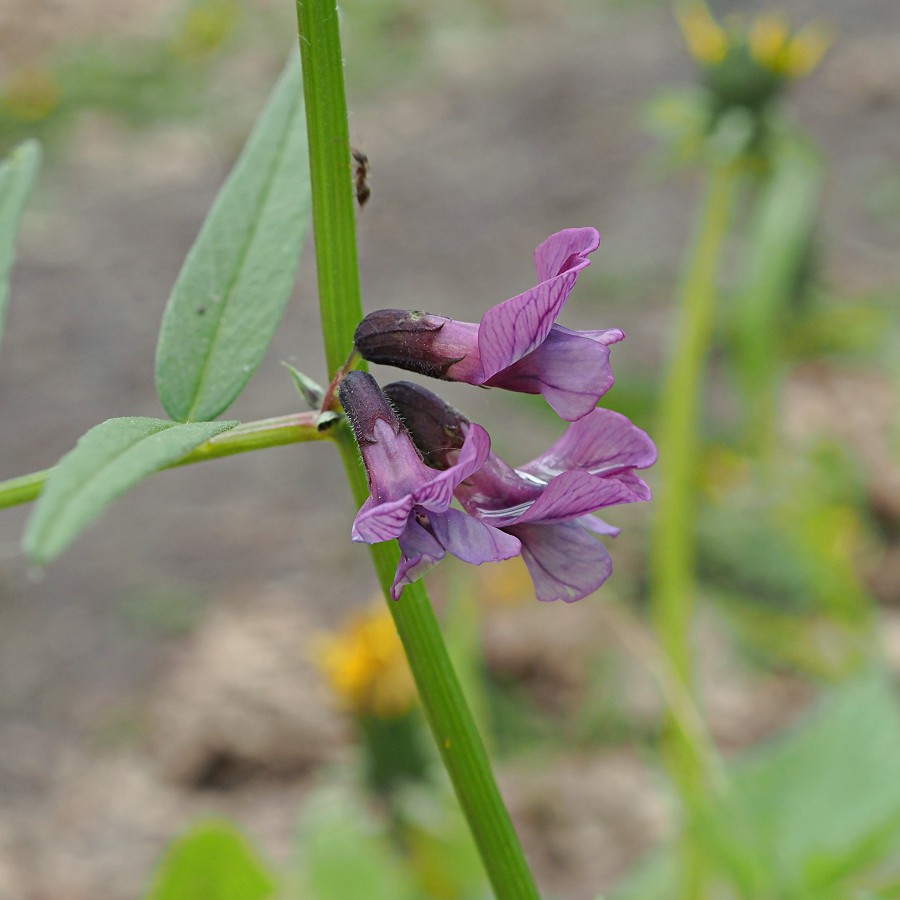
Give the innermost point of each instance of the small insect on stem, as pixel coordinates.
(360, 174)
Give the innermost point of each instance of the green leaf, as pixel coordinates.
(830, 788)
(237, 278)
(111, 458)
(821, 802)
(312, 392)
(17, 174)
(344, 853)
(213, 861)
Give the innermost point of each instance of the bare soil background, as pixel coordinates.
(158, 670)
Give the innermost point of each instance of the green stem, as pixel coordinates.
(276, 432)
(673, 547)
(786, 206)
(334, 219)
(460, 746)
(23, 489)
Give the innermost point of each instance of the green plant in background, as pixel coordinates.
(212, 860)
(367, 670)
(17, 174)
(779, 551)
(744, 68)
(821, 803)
(138, 82)
(734, 127)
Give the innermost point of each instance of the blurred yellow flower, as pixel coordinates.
(207, 25)
(706, 39)
(366, 665)
(31, 94)
(773, 47)
(768, 39)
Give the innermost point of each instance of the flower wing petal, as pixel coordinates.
(515, 327)
(471, 540)
(570, 368)
(556, 253)
(564, 561)
(577, 493)
(603, 442)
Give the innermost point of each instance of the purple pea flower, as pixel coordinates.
(517, 344)
(547, 504)
(410, 501)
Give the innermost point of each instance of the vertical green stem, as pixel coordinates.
(334, 224)
(786, 207)
(673, 551)
(334, 220)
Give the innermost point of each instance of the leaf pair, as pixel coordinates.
(221, 316)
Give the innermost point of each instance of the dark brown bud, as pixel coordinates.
(405, 338)
(364, 402)
(435, 427)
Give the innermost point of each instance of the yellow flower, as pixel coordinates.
(31, 94)
(706, 39)
(807, 48)
(768, 39)
(366, 666)
(773, 47)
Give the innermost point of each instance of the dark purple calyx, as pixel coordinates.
(365, 403)
(437, 429)
(407, 339)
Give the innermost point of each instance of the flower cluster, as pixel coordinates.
(420, 453)
(748, 63)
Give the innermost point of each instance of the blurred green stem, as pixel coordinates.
(334, 224)
(782, 230)
(673, 546)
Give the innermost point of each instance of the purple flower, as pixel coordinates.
(548, 504)
(410, 501)
(516, 345)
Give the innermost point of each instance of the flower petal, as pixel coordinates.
(377, 522)
(577, 493)
(437, 494)
(598, 526)
(604, 335)
(564, 561)
(419, 551)
(603, 442)
(515, 327)
(473, 541)
(555, 254)
(571, 369)
(569, 496)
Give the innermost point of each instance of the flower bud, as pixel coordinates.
(436, 427)
(410, 339)
(364, 403)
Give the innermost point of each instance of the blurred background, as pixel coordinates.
(170, 666)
